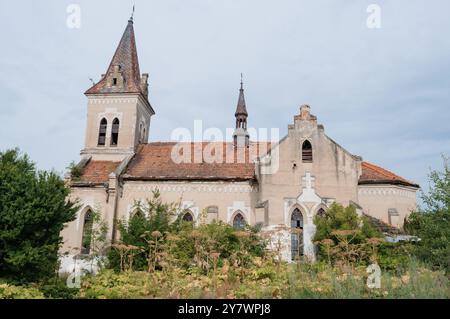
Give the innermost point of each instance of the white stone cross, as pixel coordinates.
(308, 179)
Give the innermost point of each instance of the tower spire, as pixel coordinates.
(132, 15)
(123, 74)
(241, 109)
(241, 136)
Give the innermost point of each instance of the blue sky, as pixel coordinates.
(382, 93)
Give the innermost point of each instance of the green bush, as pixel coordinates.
(395, 257)
(18, 292)
(343, 237)
(58, 290)
(432, 224)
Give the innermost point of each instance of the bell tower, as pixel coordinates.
(119, 111)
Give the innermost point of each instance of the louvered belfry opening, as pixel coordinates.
(102, 132)
(115, 132)
(307, 152)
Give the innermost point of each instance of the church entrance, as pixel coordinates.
(296, 234)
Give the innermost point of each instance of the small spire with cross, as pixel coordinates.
(132, 14)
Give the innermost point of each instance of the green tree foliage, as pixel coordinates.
(432, 224)
(33, 211)
(343, 237)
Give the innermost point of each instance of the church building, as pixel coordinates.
(279, 185)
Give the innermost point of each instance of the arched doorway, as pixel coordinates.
(296, 234)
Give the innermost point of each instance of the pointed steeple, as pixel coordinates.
(241, 136)
(241, 109)
(123, 74)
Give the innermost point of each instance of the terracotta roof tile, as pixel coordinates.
(97, 172)
(373, 174)
(154, 161)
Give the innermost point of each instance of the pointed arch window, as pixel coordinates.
(239, 221)
(102, 132)
(321, 212)
(88, 223)
(115, 132)
(187, 217)
(307, 156)
(296, 234)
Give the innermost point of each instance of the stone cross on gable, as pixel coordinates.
(308, 179)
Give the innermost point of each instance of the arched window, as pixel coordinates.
(321, 212)
(239, 221)
(187, 217)
(87, 233)
(307, 152)
(115, 132)
(138, 213)
(296, 234)
(102, 132)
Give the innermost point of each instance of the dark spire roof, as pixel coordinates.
(241, 108)
(124, 63)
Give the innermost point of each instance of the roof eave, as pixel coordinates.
(188, 178)
(387, 181)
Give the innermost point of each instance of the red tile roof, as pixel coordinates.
(97, 172)
(154, 161)
(373, 174)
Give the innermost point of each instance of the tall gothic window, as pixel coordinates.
(87, 233)
(296, 234)
(102, 132)
(307, 156)
(115, 132)
(239, 221)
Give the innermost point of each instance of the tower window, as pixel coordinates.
(115, 132)
(307, 155)
(114, 81)
(102, 132)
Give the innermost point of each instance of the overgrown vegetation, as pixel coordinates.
(75, 171)
(346, 240)
(161, 256)
(432, 224)
(151, 242)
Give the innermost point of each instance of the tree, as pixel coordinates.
(33, 211)
(342, 236)
(432, 223)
